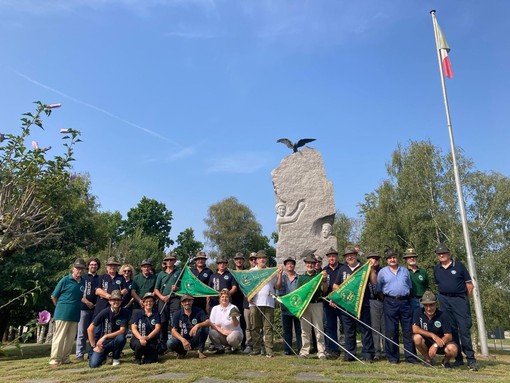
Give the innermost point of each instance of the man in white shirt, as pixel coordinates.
(262, 309)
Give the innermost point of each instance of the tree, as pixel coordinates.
(417, 206)
(32, 185)
(232, 227)
(187, 246)
(152, 218)
(342, 228)
(134, 249)
(36, 194)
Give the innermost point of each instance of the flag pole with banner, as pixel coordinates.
(350, 294)
(252, 281)
(445, 69)
(297, 301)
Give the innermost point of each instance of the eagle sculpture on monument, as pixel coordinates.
(297, 145)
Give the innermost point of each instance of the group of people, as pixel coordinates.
(147, 304)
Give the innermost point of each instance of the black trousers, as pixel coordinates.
(149, 352)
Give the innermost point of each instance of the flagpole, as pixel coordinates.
(275, 329)
(338, 344)
(482, 334)
(318, 329)
(177, 281)
(373, 329)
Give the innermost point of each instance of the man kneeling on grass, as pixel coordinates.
(190, 329)
(432, 332)
(107, 332)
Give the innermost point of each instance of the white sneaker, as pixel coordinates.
(115, 362)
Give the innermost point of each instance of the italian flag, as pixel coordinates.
(443, 47)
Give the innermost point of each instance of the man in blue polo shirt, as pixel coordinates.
(394, 282)
(221, 279)
(107, 332)
(432, 331)
(88, 304)
(190, 329)
(109, 282)
(348, 322)
(455, 287)
(203, 273)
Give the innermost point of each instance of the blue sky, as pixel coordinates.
(183, 101)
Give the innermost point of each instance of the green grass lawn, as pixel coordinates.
(32, 366)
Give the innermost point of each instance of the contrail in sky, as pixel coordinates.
(96, 108)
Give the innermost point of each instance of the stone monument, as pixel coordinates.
(305, 207)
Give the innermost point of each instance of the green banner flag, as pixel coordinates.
(193, 286)
(298, 300)
(350, 293)
(251, 281)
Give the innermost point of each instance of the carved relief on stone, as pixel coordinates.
(305, 207)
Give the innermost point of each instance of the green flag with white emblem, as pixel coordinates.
(251, 281)
(298, 300)
(350, 294)
(193, 286)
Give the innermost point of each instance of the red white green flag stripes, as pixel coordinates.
(444, 48)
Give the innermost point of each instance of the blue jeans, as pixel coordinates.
(198, 341)
(82, 337)
(331, 316)
(289, 321)
(114, 346)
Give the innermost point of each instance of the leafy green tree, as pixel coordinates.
(134, 249)
(417, 206)
(489, 217)
(232, 227)
(81, 235)
(342, 228)
(152, 218)
(33, 185)
(37, 191)
(187, 246)
(109, 226)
